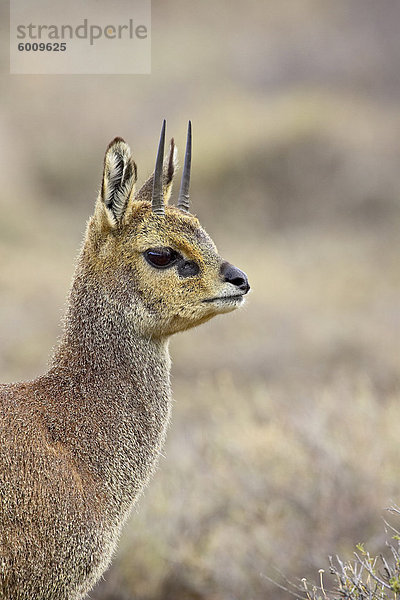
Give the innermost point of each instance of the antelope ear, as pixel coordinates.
(169, 168)
(119, 178)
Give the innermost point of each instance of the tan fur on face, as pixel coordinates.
(169, 303)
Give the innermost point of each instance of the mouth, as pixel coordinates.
(235, 298)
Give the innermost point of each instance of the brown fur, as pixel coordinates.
(78, 444)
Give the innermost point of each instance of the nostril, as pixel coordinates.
(235, 276)
(240, 282)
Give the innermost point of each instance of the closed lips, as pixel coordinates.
(237, 297)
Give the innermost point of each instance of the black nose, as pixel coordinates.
(236, 276)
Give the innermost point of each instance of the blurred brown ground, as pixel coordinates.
(284, 445)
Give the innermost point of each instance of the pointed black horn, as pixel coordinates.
(183, 198)
(157, 199)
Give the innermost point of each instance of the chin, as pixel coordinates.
(225, 305)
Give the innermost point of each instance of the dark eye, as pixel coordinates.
(161, 258)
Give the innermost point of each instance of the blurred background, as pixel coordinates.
(284, 444)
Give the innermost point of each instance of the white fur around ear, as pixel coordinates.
(119, 177)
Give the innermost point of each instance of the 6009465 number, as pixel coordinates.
(42, 47)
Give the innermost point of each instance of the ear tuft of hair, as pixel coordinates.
(119, 178)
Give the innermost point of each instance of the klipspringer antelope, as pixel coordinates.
(79, 443)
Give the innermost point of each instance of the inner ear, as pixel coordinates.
(119, 178)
